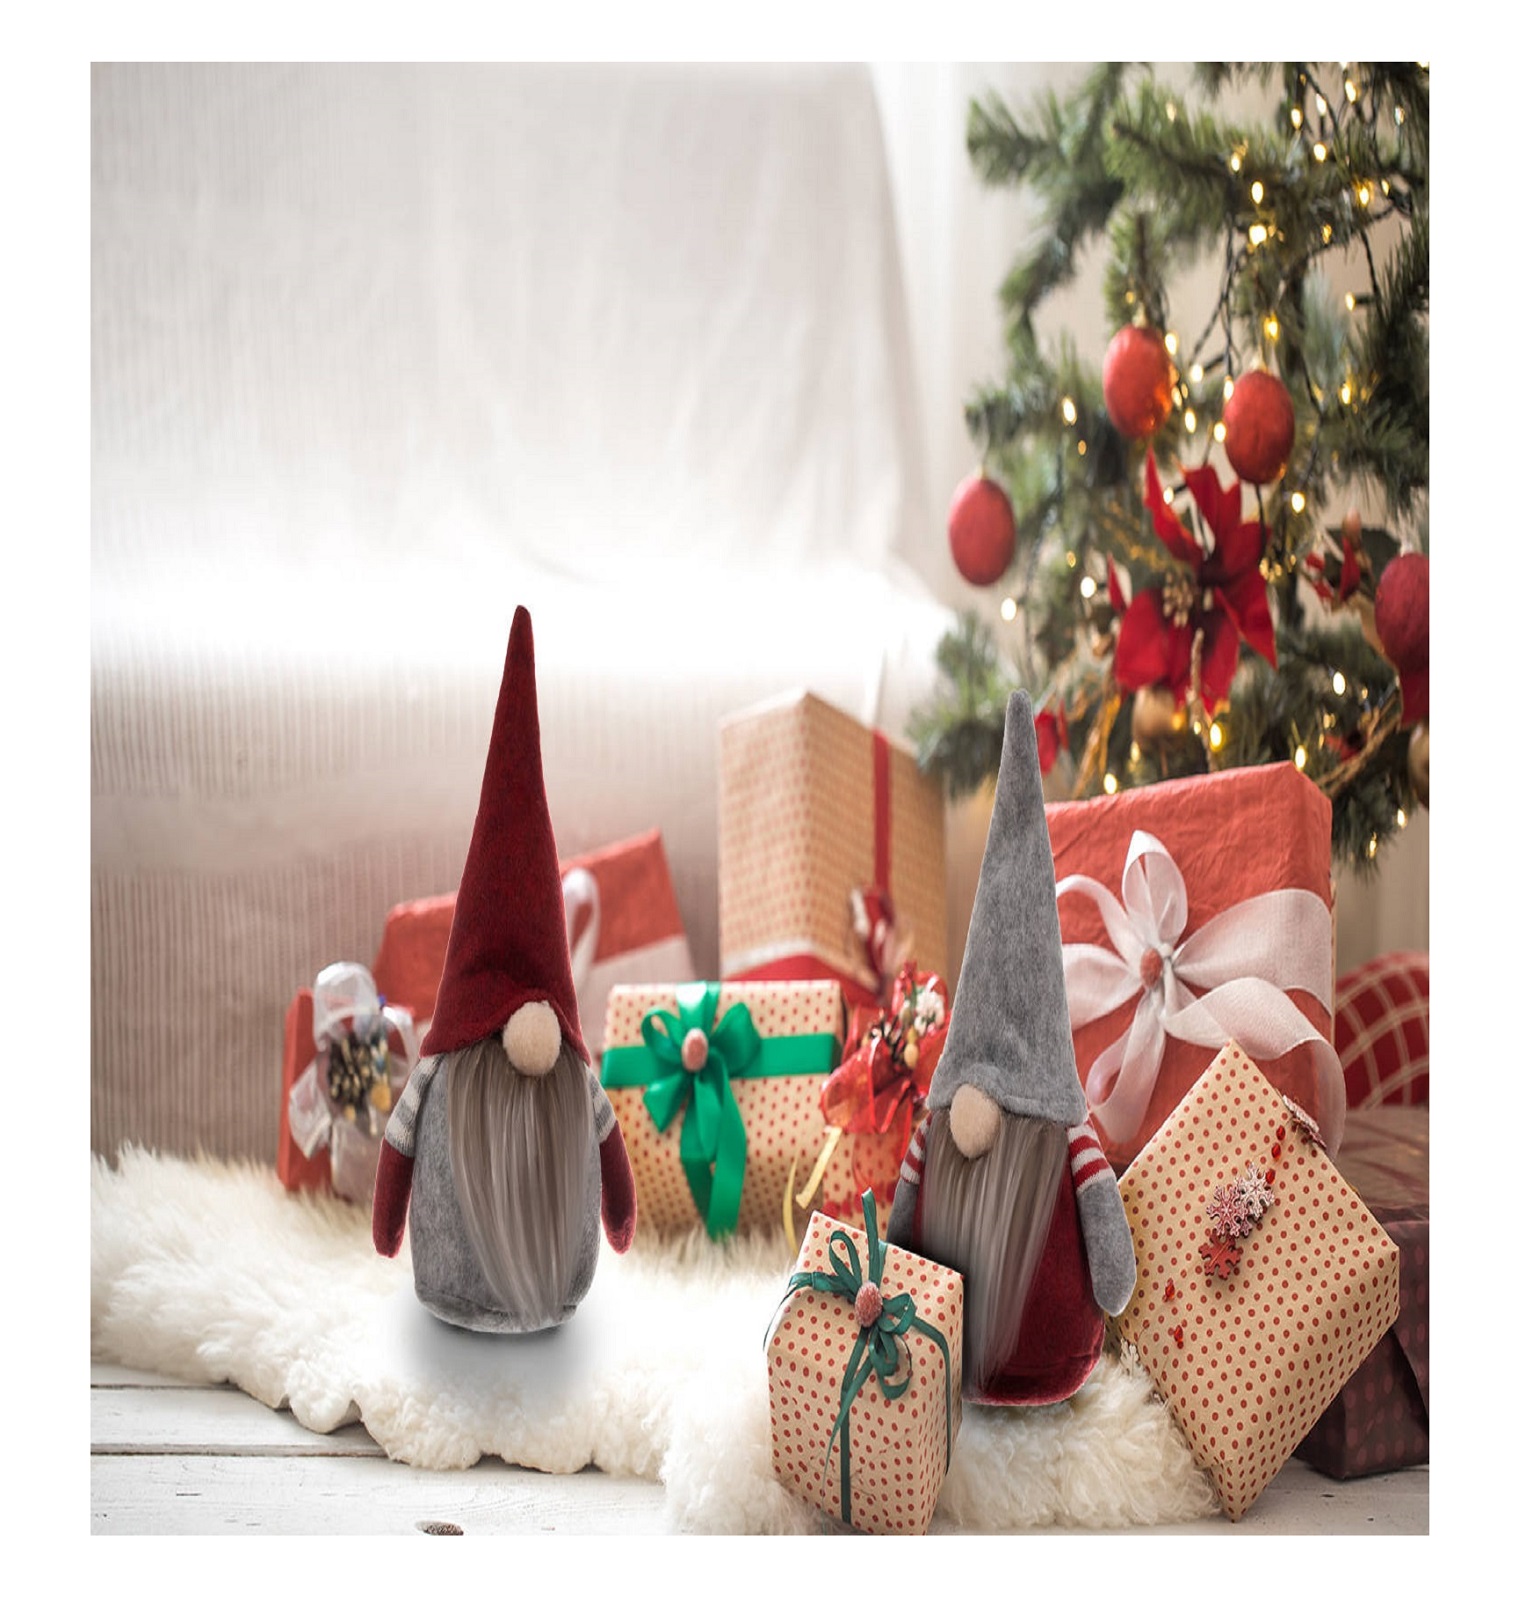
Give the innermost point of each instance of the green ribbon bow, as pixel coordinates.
(881, 1349)
(712, 1147)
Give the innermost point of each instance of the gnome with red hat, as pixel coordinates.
(1005, 1181)
(503, 1155)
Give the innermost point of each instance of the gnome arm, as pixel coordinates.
(394, 1168)
(1109, 1244)
(903, 1208)
(617, 1202)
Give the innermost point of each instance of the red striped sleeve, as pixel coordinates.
(916, 1154)
(1087, 1162)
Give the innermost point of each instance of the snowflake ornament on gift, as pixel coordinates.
(1233, 1211)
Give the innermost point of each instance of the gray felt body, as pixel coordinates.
(447, 1276)
(1009, 1033)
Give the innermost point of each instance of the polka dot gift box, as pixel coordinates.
(864, 1377)
(717, 1090)
(831, 850)
(1263, 1281)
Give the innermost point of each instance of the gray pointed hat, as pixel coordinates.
(1009, 1033)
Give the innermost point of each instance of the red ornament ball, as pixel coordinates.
(1258, 427)
(982, 532)
(1137, 379)
(1401, 612)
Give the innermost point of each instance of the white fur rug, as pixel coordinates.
(214, 1273)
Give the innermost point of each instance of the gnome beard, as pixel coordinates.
(519, 1152)
(988, 1217)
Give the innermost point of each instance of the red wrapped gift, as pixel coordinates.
(1380, 1421)
(831, 845)
(623, 927)
(1193, 912)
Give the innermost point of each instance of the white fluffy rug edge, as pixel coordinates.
(212, 1272)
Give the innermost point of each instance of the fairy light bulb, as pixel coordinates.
(1110, 783)
(1364, 194)
(1322, 105)
(1350, 301)
(1168, 494)
(1229, 387)
(1399, 116)
(1171, 343)
(1195, 372)
(1256, 191)
(1189, 420)
(1257, 234)
(1080, 447)
(1070, 558)
(1300, 758)
(1271, 328)
(1135, 753)
(1326, 232)
(1008, 609)
(1297, 501)
(1088, 586)
(1234, 162)
(1215, 736)
(1068, 411)
(1338, 681)
(1372, 847)
(1297, 116)
(1170, 111)
(1220, 433)
(1320, 152)
(1346, 393)
(1401, 821)
(1350, 92)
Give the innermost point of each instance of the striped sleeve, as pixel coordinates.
(1087, 1162)
(916, 1155)
(404, 1119)
(603, 1111)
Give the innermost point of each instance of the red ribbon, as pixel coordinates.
(876, 1093)
(878, 911)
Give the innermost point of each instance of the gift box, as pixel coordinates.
(1380, 1421)
(864, 1372)
(717, 1089)
(1263, 1280)
(623, 926)
(1194, 912)
(831, 847)
(346, 1058)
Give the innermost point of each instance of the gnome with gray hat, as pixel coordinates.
(1005, 1181)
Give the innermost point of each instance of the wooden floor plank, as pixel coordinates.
(223, 1421)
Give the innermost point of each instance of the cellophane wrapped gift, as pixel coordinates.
(347, 1057)
(1193, 912)
(1380, 1421)
(876, 1098)
(1264, 1282)
(717, 1089)
(623, 926)
(831, 847)
(864, 1372)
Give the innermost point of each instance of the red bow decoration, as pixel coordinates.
(880, 1088)
(874, 923)
(1219, 592)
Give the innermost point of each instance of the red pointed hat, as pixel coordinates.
(508, 937)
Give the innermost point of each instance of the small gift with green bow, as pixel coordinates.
(864, 1369)
(717, 1089)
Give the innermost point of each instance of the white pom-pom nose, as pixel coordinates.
(972, 1120)
(532, 1039)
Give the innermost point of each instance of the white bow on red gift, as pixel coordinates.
(1228, 982)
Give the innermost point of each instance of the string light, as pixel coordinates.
(1189, 420)
(1215, 736)
(1326, 233)
(1170, 111)
(1271, 328)
(1372, 847)
(1338, 681)
(1256, 191)
(1320, 152)
(1257, 234)
(1229, 387)
(1088, 587)
(1135, 752)
(1234, 162)
(1171, 344)
(1399, 116)
(1350, 301)
(1364, 194)
(1322, 105)
(1220, 432)
(1168, 494)
(1296, 500)
(1080, 447)
(1008, 609)
(1068, 411)
(1195, 372)
(1346, 393)
(1350, 91)
(1297, 115)
(1400, 819)
(1110, 783)
(1300, 758)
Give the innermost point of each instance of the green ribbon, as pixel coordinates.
(712, 1148)
(881, 1348)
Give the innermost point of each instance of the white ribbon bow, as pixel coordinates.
(580, 891)
(1245, 960)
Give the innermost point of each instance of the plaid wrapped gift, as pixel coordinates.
(1264, 1282)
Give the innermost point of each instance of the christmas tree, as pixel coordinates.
(1214, 552)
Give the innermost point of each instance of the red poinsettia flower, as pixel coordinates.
(1219, 593)
(1053, 734)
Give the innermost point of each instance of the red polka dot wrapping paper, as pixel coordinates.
(897, 1449)
(1233, 835)
(1380, 1421)
(1248, 1363)
(786, 1131)
(796, 837)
